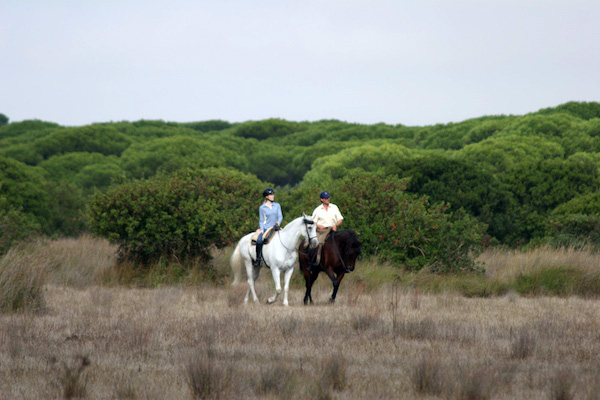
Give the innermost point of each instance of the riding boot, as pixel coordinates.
(258, 260)
(314, 258)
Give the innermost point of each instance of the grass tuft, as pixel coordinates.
(333, 372)
(22, 278)
(561, 386)
(522, 346)
(426, 377)
(206, 378)
(74, 378)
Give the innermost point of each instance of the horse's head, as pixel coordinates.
(311, 231)
(350, 249)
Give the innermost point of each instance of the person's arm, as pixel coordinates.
(279, 215)
(337, 224)
(339, 219)
(261, 219)
(315, 219)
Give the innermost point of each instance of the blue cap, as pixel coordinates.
(324, 195)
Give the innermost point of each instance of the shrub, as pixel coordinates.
(401, 227)
(178, 217)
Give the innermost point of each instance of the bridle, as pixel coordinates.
(307, 222)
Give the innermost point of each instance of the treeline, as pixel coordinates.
(517, 179)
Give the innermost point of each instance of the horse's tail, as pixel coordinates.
(236, 264)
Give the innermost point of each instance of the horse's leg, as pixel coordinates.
(303, 262)
(252, 274)
(277, 278)
(336, 287)
(334, 281)
(309, 278)
(286, 286)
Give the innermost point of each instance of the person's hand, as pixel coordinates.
(334, 228)
(321, 227)
(260, 231)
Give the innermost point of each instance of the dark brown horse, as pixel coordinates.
(338, 257)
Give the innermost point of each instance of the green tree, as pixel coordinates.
(172, 153)
(583, 110)
(463, 185)
(15, 226)
(576, 222)
(23, 189)
(93, 139)
(268, 128)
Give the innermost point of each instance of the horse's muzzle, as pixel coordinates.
(313, 243)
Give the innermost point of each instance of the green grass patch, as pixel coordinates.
(164, 273)
(558, 281)
(467, 284)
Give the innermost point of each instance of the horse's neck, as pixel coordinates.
(291, 234)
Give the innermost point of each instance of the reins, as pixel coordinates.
(337, 250)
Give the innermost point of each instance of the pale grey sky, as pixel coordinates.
(414, 62)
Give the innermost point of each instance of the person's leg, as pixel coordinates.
(315, 258)
(259, 245)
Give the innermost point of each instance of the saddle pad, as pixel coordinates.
(266, 237)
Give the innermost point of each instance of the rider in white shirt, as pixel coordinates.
(328, 218)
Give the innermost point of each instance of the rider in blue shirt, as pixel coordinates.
(269, 215)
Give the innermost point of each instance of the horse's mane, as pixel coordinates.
(292, 221)
(348, 235)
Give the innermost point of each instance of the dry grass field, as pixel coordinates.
(99, 341)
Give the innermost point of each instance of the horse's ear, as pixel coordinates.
(303, 215)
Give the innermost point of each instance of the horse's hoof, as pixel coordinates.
(331, 301)
(271, 300)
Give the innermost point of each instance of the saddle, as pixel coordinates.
(314, 255)
(266, 236)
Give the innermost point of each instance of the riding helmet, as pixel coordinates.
(324, 195)
(267, 192)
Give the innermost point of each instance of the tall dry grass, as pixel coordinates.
(506, 265)
(171, 343)
(385, 337)
(23, 275)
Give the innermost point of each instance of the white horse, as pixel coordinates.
(279, 255)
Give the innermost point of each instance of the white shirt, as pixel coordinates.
(327, 218)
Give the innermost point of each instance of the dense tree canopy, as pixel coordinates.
(512, 174)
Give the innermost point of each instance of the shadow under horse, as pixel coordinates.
(338, 257)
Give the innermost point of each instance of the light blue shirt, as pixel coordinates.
(269, 217)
